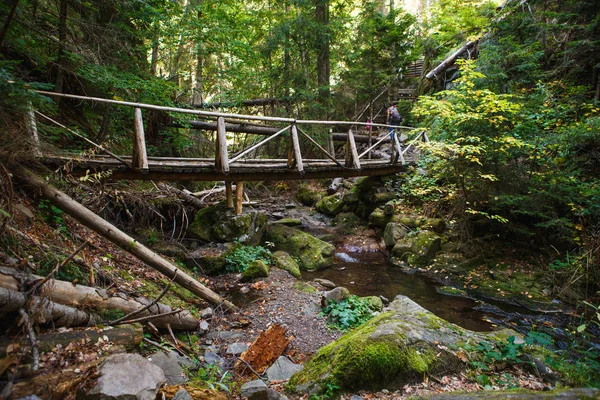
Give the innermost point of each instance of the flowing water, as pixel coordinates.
(370, 274)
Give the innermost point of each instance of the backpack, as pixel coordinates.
(395, 115)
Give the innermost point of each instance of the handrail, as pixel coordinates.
(215, 114)
(412, 142)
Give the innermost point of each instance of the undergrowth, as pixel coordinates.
(347, 314)
(242, 256)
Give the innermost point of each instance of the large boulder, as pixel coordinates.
(330, 205)
(335, 295)
(393, 233)
(417, 250)
(127, 377)
(396, 347)
(284, 261)
(219, 224)
(307, 196)
(282, 369)
(311, 253)
(424, 247)
(256, 269)
(170, 363)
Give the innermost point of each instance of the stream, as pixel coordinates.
(370, 274)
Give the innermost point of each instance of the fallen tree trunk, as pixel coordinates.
(123, 240)
(450, 60)
(186, 195)
(66, 293)
(129, 336)
(44, 311)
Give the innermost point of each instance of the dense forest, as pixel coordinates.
(508, 182)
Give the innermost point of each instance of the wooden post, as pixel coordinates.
(229, 194)
(239, 197)
(296, 150)
(140, 158)
(354, 161)
(399, 148)
(221, 157)
(330, 144)
(33, 132)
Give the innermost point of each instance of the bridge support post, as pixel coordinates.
(294, 154)
(221, 157)
(140, 158)
(351, 152)
(239, 197)
(229, 194)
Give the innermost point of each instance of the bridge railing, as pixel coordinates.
(222, 160)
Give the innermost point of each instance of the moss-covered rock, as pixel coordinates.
(396, 347)
(307, 196)
(284, 261)
(311, 253)
(393, 233)
(451, 291)
(202, 226)
(289, 222)
(304, 287)
(219, 224)
(379, 218)
(209, 259)
(375, 303)
(424, 247)
(330, 205)
(256, 269)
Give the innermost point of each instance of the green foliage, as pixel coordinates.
(242, 255)
(52, 215)
(212, 377)
(348, 313)
(330, 392)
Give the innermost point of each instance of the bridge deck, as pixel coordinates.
(203, 169)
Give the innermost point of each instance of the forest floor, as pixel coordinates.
(40, 237)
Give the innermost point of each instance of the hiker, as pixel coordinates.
(393, 116)
(368, 126)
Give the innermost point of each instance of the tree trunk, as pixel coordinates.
(67, 294)
(44, 311)
(450, 60)
(323, 64)
(129, 336)
(9, 18)
(126, 242)
(62, 38)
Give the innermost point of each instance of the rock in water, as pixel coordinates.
(311, 253)
(392, 349)
(282, 369)
(335, 295)
(325, 283)
(126, 377)
(330, 205)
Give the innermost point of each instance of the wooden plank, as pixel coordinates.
(239, 197)
(263, 352)
(229, 194)
(296, 148)
(140, 158)
(221, 157)
(353, 151)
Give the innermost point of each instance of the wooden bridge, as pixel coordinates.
(240, 167)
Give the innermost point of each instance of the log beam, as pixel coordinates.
(221, 157)
(123, 240)
(229, 193)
